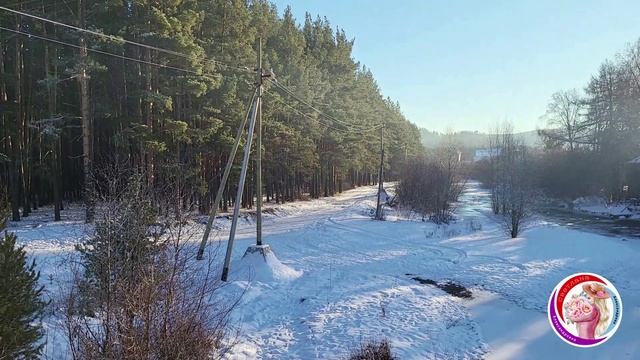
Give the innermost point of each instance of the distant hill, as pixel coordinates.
(473, 139)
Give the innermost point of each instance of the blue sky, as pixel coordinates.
(466, 65)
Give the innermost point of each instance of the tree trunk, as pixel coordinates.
(87, 156)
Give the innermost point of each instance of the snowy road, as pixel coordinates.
(355, 285)
(356, 282)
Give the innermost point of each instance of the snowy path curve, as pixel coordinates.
(355, 284)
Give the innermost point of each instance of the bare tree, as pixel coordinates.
(431, 185)
(517, 189)
(510, 179)
(564, 119)
(501, 138)
(450, 182)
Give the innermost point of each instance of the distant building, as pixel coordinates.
(483, 154)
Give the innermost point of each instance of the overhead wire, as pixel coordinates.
(346, 130)
(321, 113)
(303, 113)
(289, 92)
(106, 52)
(29, 35)
(122, 40)
(329, 117)
(292, 94)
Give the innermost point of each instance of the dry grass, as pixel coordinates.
(373, 350)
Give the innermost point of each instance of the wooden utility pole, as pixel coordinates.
(86, 121)
(256, 119)
(380, 174)
(236, 205)
(259, 148)
(223, 182)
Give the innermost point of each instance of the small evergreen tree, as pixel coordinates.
(21, 304)
(121, 247)
(138, 295)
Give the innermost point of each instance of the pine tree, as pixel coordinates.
(121, 246)
(168, 122)
(21, 304)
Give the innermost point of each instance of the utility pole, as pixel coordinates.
(380, 174)
(256, 120)
(259, 148)
(236, 205)
(223, 183)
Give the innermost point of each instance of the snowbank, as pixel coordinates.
(260, 263)
(598, 206)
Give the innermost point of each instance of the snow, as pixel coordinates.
(598, 206)
(336, 277)
(260, 264)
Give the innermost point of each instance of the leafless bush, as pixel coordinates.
(431, 185)
(140, 294)
(373, 350)
(511, 182)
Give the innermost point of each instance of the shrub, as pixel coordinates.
(431, 185)
(139, 294)
(373, 350)
(120, 248)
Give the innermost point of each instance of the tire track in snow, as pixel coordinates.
(469, 270)
(446, 253)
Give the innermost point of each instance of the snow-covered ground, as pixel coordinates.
(343, 278)
(598, 206)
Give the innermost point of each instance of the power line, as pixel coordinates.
(348, 127)
(103, 52)
(121, 40)
(292, 94)
(328, 117)
(343, 123)
(171, 52)
(304, 114)
(344, 131)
